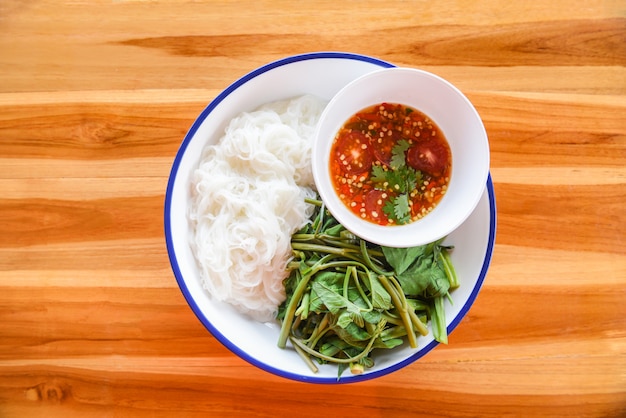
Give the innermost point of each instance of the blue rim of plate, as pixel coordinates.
(183, 287)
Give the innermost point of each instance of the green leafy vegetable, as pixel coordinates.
(418, 269)
(380, 298)
(402, 258)
(347, 297)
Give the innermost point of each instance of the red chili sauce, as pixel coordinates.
(390, 164)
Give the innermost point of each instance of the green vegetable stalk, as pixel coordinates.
(347, 297)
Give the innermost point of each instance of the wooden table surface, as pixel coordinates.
(95, 99)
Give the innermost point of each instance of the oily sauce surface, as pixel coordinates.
(390, 164)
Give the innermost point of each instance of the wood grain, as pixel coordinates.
(95, 99)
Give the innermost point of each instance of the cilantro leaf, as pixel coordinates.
(399, 179)
(396, 181)
(379, 174)
(402, 209)
(398, 154)
(398, 209)
(388, 209)
(412, 178)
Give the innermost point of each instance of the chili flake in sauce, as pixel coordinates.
(390, 164)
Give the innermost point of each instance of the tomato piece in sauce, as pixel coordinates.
(382, 146)
(430, 156)
(374, 202)
(353, 153)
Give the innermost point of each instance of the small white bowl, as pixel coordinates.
(458, 120)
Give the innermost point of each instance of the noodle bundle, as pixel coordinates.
(248, 199)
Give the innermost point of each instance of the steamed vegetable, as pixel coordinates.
(347, 297)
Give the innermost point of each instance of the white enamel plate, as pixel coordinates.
(323, 75)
